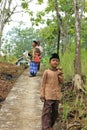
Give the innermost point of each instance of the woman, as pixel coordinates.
(34, 59)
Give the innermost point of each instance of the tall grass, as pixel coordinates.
(67, 63)
(8, 59)
(84, 62)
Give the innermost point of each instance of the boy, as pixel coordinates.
(51, 92)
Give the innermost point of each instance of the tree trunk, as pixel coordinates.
(78, 39)
(58, 26)
(58, 42)
(0, 39)
(77, 80)
(1, 33)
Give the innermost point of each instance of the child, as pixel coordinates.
(51, 92)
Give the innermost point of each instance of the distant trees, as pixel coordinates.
(18, 40)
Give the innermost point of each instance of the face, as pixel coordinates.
(33, 44)
(54, 62)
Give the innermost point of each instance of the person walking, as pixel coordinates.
(50, 92)
(41, 49)
(34, 59)
(41, 53)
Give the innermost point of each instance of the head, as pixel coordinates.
(38, 43)
(35, 43)
(54, 60)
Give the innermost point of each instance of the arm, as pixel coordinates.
(30, 53)
(60, 75)
(61, 78)
(43, 84)
(41, 50)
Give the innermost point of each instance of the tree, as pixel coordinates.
(60, 12)
(6, 12)
(79, 6)
(58, 25)
(78, 84)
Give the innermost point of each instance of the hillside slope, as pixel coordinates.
(8, 75)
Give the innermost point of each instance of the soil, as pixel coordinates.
(8, 75)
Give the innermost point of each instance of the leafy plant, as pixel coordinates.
(66, 110)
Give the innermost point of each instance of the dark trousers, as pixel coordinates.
(38, 66)
(49, 114)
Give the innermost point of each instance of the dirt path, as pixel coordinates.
(22, 108)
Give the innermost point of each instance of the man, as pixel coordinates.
(41, 52)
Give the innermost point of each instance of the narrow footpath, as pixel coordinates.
(22, 108)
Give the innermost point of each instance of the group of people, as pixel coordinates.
(50, 93)
(35, 55)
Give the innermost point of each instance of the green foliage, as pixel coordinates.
(38, 19)
(49, 34)
(51, 6)
(8, 59)
(66, 110)
(66, 6)
(24, 4)
(18, 40)
(12, 59)
(67, 61)
(45, 61)
(84, 34)
(85, 128)
(84, 61)
(3, 59)
(85, 6)
(40, 1)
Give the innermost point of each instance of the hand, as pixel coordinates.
(60, 75)
(42, 99)
(60, 71)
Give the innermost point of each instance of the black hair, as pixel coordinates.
(35, 42)
(54, 55)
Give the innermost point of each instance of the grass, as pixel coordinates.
(67, 63)
(84, 62)
(8, 59)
